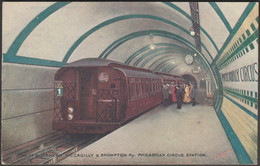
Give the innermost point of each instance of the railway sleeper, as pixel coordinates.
(38, 153)
(14, 155)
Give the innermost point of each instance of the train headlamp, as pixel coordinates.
(70, 116)
(70, 110)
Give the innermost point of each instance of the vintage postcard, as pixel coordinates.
(129, 83)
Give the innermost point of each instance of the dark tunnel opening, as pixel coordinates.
(189, 79)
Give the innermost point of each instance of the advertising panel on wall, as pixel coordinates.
(239, 72)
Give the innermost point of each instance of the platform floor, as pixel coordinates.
(164, 135)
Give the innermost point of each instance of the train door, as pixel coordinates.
(88, 94)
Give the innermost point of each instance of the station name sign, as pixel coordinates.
(248, 73)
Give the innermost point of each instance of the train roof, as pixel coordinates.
(88, 62)
(98, 62)
(166, 74)
(128, 71)
(166, 77)
(141, 74)
(160, 73)
(169, 77)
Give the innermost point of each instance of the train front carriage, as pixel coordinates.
(98, 96)
(89, 97)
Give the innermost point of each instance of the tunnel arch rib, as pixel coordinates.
(166, 34)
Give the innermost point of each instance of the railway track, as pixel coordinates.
(49, 150)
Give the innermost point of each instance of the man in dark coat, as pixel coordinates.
(182, 91)
(179, 95)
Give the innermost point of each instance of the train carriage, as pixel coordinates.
(179, 80)
(169, 79)
(97, 96)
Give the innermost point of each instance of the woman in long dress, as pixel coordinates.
(187, 98)
(174, 98)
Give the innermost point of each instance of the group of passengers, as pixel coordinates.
(179, 93)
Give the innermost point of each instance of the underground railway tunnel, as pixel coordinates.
(211, 44)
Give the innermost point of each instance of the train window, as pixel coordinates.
(131, 80)
(138, 86)
(132, 91)
(138, 89)
(143, 87)
(131, 88)
(151, 90)
(154, 85)
(147, 88)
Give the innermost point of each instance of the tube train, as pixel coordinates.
(95, 95)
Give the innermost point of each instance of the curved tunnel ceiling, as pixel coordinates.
(53, 34)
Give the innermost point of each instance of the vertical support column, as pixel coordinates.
(194, 10)
(208, 86)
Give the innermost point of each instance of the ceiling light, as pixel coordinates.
(152, 46)
(192, 33)
(173, 62)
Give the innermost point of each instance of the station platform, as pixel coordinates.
(163, 135)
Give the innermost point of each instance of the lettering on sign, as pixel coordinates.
(248, 73)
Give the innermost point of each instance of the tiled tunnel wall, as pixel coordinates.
(27, 103)
(239, 72)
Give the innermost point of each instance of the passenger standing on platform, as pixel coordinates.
(178, 93)
(170, 94)
(182, 91)
(165, 95)
(187, 98)
(192, 94)
(174, 99)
